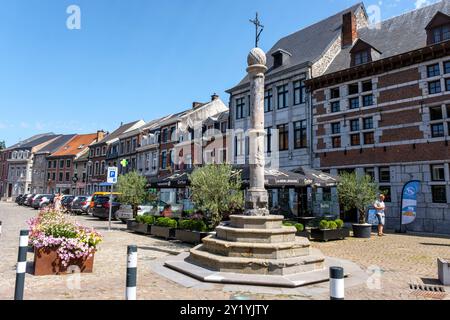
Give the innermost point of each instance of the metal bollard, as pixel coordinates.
(21, 265)
(131, 273)
(0, 228)
(337, 287)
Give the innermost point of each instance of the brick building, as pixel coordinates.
(382, 108)
(291, 61)
(60, 164)
(98, 152)
(21, 163)
(129, 142)
(38, 177)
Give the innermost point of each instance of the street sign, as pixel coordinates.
(112, 175)
(124, 163)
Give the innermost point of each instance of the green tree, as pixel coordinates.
(357, 192)
(2, 145)
(216, 189)
(133, 190)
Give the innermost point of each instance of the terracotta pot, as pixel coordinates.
(47, 262)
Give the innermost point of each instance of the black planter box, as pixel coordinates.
(163, 232)
(362, 231)
(304, 233)
(192, 237)
(137, 227)
(328, 234)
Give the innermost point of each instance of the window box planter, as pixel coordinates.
(47, 262)
(192, 237)
(329, 235)
(137, 227)
(163, 232)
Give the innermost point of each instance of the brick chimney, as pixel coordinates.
(349, 29)
(214, 97)
(196, 104)
(100, 135)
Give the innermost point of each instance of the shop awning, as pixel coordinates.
(316, 178)
(105, 184)
(176, 180)
(276, 178)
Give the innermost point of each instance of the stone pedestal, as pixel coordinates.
(255, 250)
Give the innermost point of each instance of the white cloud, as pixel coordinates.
(423, 3)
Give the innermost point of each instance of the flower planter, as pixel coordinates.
(163, 232)
(137, 227)
(47, 262)
(362, 231)
(192, 237)
(328, 234)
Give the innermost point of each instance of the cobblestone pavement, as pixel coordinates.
(402, 260)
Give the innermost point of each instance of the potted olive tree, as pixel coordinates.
(358, 192)
(216, 189)
(132, 189)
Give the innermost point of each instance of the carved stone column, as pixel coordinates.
(257, 199)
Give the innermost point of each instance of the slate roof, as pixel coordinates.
(55, 145)
(116, 133)
(17, 145)
(397, 35)
(308, 44)
(35, 142)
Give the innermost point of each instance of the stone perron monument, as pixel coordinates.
(254, 248)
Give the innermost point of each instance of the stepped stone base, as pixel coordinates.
(259, 247)
(299, 247)
(254, 265)
(180, 264)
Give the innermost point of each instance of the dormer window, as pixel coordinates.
(361, 58)
(363, 53)
(441, 33)
(280, 57)
(438, 30)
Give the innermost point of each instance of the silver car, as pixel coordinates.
(151, 208)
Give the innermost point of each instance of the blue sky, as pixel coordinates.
(134, 59)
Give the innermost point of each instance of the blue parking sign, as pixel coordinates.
(112, 175)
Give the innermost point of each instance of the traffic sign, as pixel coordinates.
(124, 163)
(112, 175)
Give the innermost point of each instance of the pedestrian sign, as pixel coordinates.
(112, 175)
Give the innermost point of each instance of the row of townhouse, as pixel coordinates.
(77, 163)
(341, 95)
(43, 163)
(156, 149)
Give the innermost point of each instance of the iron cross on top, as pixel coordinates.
(259, 28)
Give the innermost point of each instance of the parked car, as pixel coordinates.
(78, 203)
(19, 197)
(126, 211)
(101, 207)
(23, 199)
(29, 200)
(37, 201)
(97, 195)
(154, 208)
(86, 208)
(47, 201)
(66, 202)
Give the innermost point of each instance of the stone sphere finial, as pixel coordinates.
(256, 56)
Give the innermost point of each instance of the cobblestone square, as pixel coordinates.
(393, 263)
